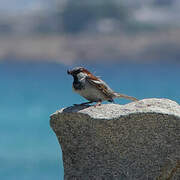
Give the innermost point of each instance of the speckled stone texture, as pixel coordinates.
(136, 141)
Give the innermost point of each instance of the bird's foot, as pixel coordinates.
(97, 104)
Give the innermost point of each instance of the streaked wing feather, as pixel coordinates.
(102, 87)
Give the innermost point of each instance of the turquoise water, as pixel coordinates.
(30, 92)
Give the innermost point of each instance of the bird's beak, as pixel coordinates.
(69, 72)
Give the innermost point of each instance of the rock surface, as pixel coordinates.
(136, 141)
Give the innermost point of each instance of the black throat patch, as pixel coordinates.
(77, 84)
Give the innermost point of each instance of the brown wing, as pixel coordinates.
(101, 86)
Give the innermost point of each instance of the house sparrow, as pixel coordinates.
(93, 88)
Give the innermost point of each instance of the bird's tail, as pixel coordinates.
(118, 95)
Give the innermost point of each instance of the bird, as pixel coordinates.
(92, 88)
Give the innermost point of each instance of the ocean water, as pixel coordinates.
(31, 92)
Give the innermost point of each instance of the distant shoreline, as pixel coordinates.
(145, 46)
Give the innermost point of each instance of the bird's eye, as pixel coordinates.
(77, 71)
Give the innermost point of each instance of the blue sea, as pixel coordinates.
(31, 91)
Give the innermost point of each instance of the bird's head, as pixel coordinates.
(75, 71)
(81, 73)
(78, 72)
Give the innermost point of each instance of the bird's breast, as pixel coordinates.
(89, 92)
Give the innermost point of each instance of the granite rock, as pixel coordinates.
(136, 141)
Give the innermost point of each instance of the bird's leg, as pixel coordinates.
(98, 104)
(82, 104)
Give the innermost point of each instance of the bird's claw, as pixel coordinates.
(97, 104)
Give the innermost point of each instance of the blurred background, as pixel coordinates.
(133, 45)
